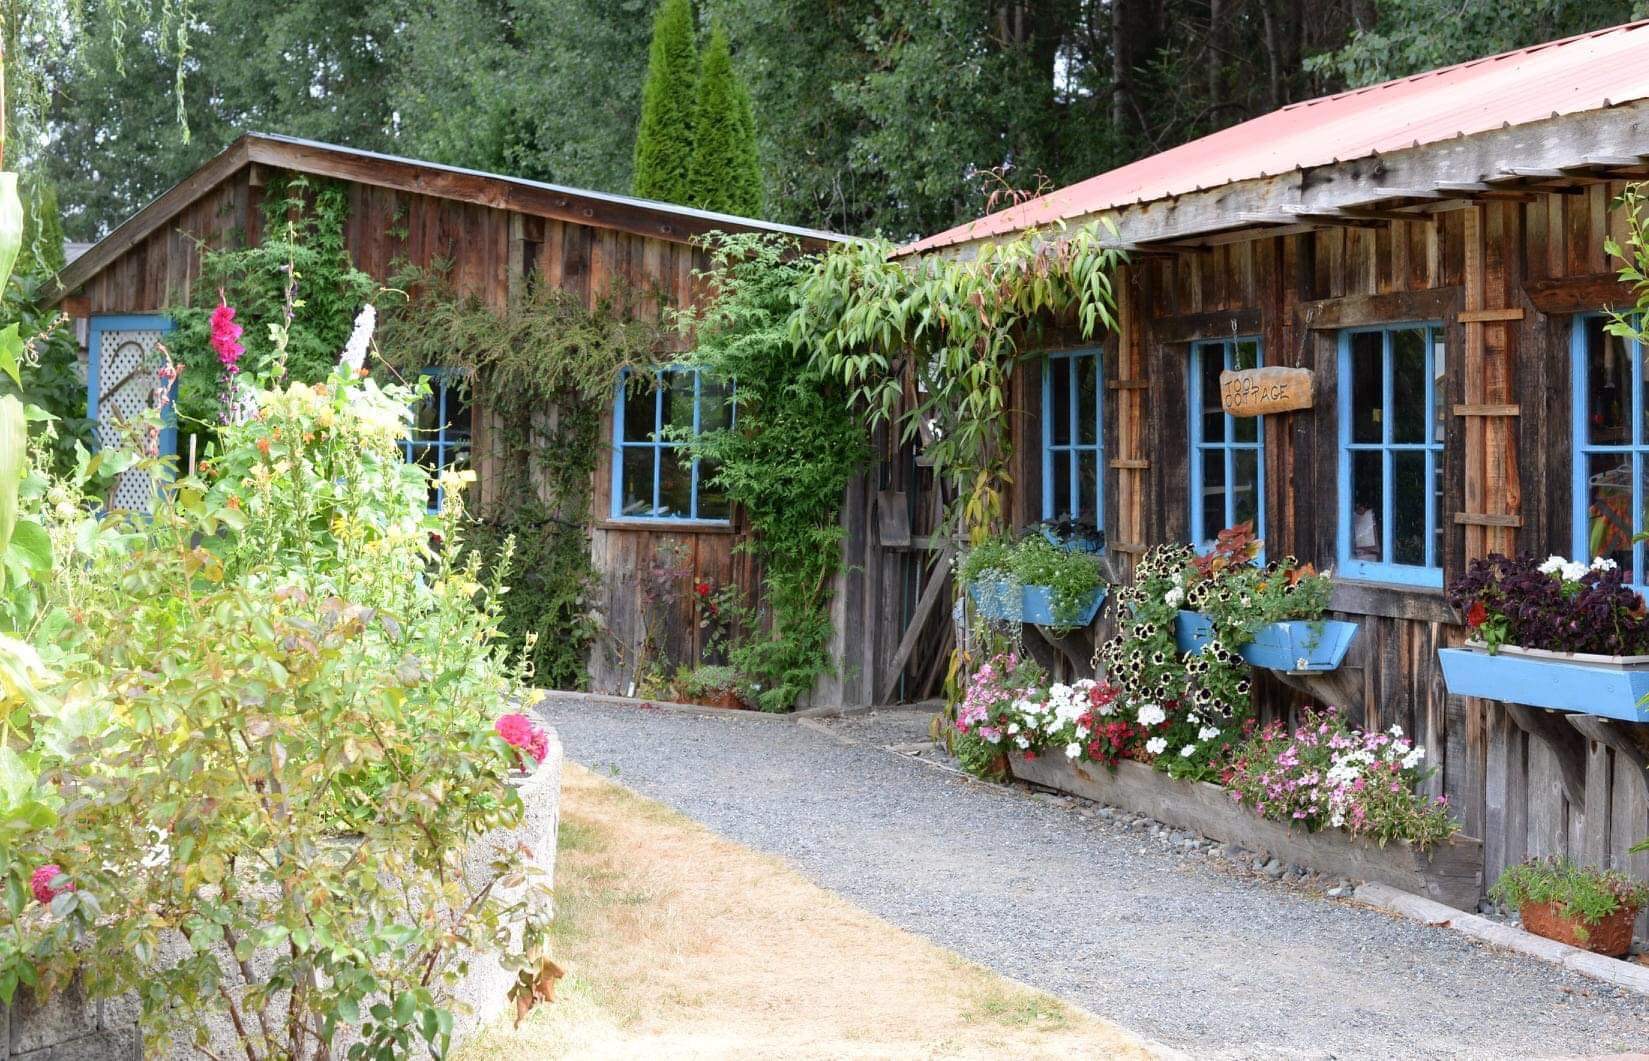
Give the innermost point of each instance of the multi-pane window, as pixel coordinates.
(440, 433)
(1227, 452)
(1391, 454)
(1072, 474)
(653, 476)
(1611, 447)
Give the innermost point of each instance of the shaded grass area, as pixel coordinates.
(679, 943)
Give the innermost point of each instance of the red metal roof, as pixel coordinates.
(1584, 73)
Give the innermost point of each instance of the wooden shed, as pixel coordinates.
(494, 231)
(1432, 250)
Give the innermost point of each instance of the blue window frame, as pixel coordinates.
(112, 394)
(653, 479)
(1073, 477)
(1611, 447)
(1391, 453)
(1227, 452)
(441, 425)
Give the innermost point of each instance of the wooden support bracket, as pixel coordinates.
(1570, 754)
(1128, 384)
(1131, 463)
(1488, 410)
(1608, 732)
(1487, 519)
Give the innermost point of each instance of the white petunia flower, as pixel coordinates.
(1156, 745)
(1412, 759)
(1552, 565)
(1208, 732)
(1603, 563)
(1073, 750)
(1188, 751)
(1013, 727)
(1174, 597)
(1574, 571)
(1151, 715)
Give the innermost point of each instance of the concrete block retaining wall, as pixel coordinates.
(70, 1027)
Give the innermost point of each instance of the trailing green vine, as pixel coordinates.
(543, 368)
(302, 250)
(786, 459)
(930, 343)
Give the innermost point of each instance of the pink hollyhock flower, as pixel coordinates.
(41, 883)
(226, 335)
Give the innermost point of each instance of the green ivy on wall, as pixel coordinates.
(302, 245)
(785, 460)
(542, 369)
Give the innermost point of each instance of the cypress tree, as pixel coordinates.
(664, 139)
(726, 169)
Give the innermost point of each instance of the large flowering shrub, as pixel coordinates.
(1329, 774)
(249, 739)
(1555, 604)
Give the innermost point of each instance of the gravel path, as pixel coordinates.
(1205, 961)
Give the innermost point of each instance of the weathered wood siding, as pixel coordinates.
(1516, 271)
(489, 251)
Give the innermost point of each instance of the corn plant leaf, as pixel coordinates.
(11, 226)
(11, 353)
(14, 441)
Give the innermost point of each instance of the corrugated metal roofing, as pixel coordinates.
(1571, 76)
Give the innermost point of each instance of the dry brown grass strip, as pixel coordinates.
(681, 944)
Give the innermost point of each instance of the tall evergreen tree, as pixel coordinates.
(664, 139)
(726, 173)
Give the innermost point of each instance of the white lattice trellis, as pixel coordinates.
(126, 386)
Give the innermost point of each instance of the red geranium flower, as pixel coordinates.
(1476, 615)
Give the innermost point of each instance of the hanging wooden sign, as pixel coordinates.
(1255, 391)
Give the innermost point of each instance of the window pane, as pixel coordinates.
(426, 418)
(1245, 488)
(1608, 387)
(1209, 362)
(1087, 486)
(640, 413)
(1408, 507)
(1367, 387)
(458, 412)
(1437, 509)
(675, 483)
(713, 503)
(1061, 500)
(637, 485)
(1609, 522)
(1367, 508)
(1213, 492)
(714, 406)
(678, 399)
(1409, 415)
(1245, 354)
(1059, 370)
(1439, 391)
(1087, 389)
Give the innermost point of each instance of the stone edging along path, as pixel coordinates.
(1627, 974)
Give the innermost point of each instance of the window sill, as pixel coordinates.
(1416, 603)
(683, 526)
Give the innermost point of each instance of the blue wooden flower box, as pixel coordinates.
(1613, 686)
(1008, 603)
(1297, 646)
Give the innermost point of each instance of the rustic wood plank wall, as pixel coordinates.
(1505, 278)
(490, 251)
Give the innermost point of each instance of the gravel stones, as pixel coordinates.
(1201, 955)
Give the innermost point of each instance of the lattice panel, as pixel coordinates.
(126, 384)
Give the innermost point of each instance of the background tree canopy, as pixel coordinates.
(872, 114)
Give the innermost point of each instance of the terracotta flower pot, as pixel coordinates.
(1612, 936)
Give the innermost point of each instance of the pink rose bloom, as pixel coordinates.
(41, 883)
(519, 733)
